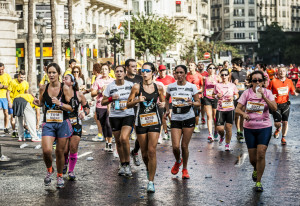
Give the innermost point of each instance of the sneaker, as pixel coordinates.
(121, 171)
(165, 136)
(216, 136)
(20, 139)
(48, 178)
(196, 129)
(258, 187)
(254, 175)
(110, 148)
(13, 134)
(160, 139)
(185, 174)
(210, 139)
(276, 133)
(175, 168)
(98, 138)
(283, 141)
(133, 135)
(65, 169)
(106, 146)
(71, 176)
(240, 137)
(168, 135)
(150, 187)
(36, 139)
(168, 125)
(128, 172)
(227, 147)
(202, 121)
(221, 141)
(6, 131)
(54, 145)
(135, 157)
(60, 182)
(113, 139)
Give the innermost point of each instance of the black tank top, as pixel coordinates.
(74, 103)
(48, 102)
(239, 75)
(150, 103)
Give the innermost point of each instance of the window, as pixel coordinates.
(283, 13)
(135, 7)
(178, 6)
(226, 2)
(251, 1)
(251, 36)
(238, 2)
(239, 24)
(190, 9)
(239, 12)
(226, 23)
(148, 7)
(251, 24)
(239, 35)
(226, 10)
(227, 36)
(251, 12)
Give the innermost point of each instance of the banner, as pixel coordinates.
(47, 51)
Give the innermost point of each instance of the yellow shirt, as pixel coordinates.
(28, 97)
(68, 71)
(93, 79)
(4, 80)
(45, 78)
(16, 88)
(112, 74)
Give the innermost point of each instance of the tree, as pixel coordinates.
(292, 51)
(272, 43)
(53, 30)
(31, 48)
(153, 33)
(70, 25)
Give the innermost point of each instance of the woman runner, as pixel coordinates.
(147, 118)
(56, 124)
(183, 117)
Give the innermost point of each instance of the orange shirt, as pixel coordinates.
(271, 73)
(282, 89)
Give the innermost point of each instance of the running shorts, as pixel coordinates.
(3, 103)
(77, 130)
(282, 113)
(211, 102)
(144, 130)
(57, 130)
(255, 137)
(117, 123)
(224, 116)
(188, 123)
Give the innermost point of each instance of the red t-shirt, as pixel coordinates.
(167, 80)
(195, 79)
(294, 73)
(204, 74)
(282, 90)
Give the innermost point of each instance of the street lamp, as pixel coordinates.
(114, 40)
(40, 28)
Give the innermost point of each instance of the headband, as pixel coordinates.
(73, 78)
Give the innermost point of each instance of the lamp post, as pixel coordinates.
(114, 40)
(195, 52)
(40, 28)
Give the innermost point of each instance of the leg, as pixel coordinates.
(12, 122)
(228, 128)
(143, 143)
(98, 124)
(277, 125)
(220, 130)
(176, 137)
(136, 146)
(152, 143)
(260, 165)
(214, 111)
(119, 145)
(74, 142)
(253, 157)
(124, 137)
(6, 118)
(202, 111)
(31, 122)
(241, 124)
(285, 126)
(237, 122)
(59, 152)
(20, 128)
(209, 113)
(186, 137)
(47, 144)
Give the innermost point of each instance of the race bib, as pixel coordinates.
(54, 116)
(240, 86)
(180, 101)
(255, 107)
(227, 104)
(282, 91)
(123, 105)
(148, 119)
(73, 120)
(209, 92)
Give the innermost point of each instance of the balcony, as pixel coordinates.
(116, 5)
(216, 6)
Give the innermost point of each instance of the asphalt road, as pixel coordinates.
(217, 177)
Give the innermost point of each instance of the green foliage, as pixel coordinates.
(153, 33)
(203, 47)
(292, 51)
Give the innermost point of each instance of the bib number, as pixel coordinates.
(255, 107)
(227, 104)
(240, 86)
(209, 92)
(55, 116)
(148, 119)
(282, 91)
(180, 101)
(73, 120)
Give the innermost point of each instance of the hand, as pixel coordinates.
(56, 101)
(36, 102)
(167, 113)
(161, 104)
(260, 90)
(236, 81)
(296, 93)
(246, 117)
(81, 115)
(115, 96)
(190, 102)
(275, 95)
(141, 98)
(219, 95)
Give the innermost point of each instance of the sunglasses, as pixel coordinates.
(146, 70)
(211, 67)
(76, 72)
(224, 75)
(257, 80)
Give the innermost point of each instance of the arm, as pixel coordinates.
(167, 105)
(271, 104)
(132, 101)
(196, 100)
(240, 109)
(39, 102)
(8, 99)
(161, 97)
(38, 116)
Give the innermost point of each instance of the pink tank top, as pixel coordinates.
(209, 87)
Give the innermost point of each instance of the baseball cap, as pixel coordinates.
(162, 67)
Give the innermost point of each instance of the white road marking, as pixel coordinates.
(84, 154)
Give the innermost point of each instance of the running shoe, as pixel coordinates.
(135, 157)
(150, 187)
(106, 146)
(227, 147)
(65, 169)
(240, 137)
(259, 187)
(110, 148)
(276, 133)
(175, 168)
(221, 141)
(21, 139)
(71, 176)
(216, 136)
(98, 138)
(128, 172)
(6, 131)
(36, 139)
(283, 141)
(197, 129)
(254, 175)
(14, 134)
(133, 135)
(202, 121)
(121, 170)
(168, 125)
(48, 178)
(113, 139)
(60, 182)
(185, 174)
(210, 139)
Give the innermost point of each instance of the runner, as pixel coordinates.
(147, 120)
(204, 74)
(196, 79)
(72, 63)
(75, 118)
(238, 76)
(56, 124)
(121, 119)
(103, 111)
(271, 72)
(131, 70)
(226, 65)
(281, 87)
(254, 105)
(183, 117)
(225, 92)
(209, 102)
(4, 82)
(294, 74)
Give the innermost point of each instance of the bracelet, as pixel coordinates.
(61, 105)
(110, 99)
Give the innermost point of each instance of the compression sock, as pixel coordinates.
(50, 170)
(73, 160)
(59, 174)
(66, 159)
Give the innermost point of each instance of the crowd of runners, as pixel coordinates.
(149, 105)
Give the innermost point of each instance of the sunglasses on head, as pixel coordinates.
(257, 80)
(146, 70)
(224, 75)
(211, 67)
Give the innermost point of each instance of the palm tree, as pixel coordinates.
(53, 30)
(30, 48)
(70, 22)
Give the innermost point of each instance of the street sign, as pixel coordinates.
(206, 55)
